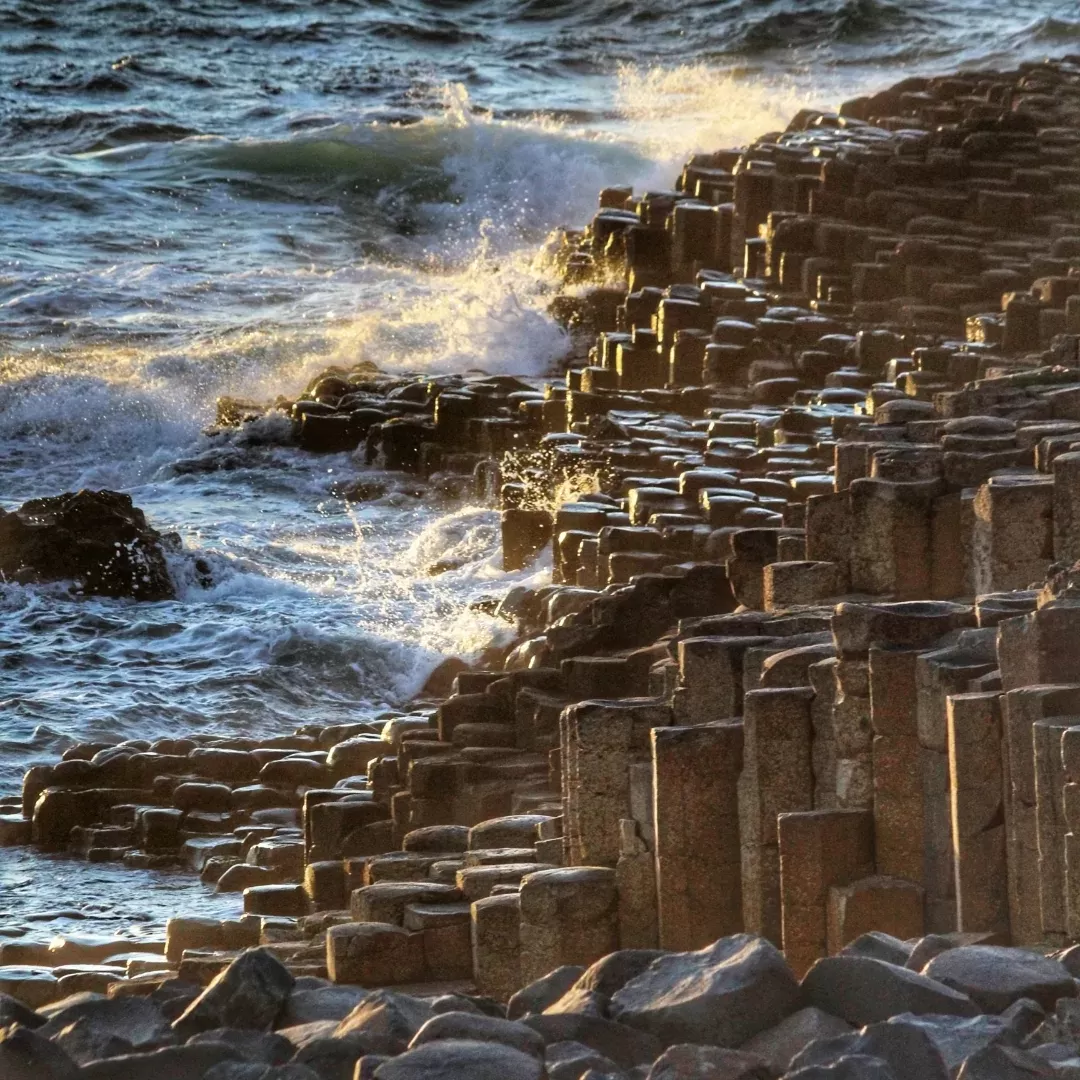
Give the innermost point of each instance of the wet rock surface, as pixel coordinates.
(98, 539)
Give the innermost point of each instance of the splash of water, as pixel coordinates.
(678, 110)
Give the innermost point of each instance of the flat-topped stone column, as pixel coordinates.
(977, 804)
(496, 944)
(698, 874)
(711, 677)
(1066, 512)
(890, 905)
(829, 530)
(952, 527)
(939, 673)
(852, 734)
(777, 777)
(1070, 763)
(601, 741)
(374, 954)
(1042, 647)
(898, 797)
(801, 583)
(892, 549)
(752, 550)
(823, 750)
(1047, 737)
(818, 849)
(635, 880)
(888, 637)
(1013, 538)
(568, 916)
(1022, 709)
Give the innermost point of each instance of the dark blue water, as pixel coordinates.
(214, 196)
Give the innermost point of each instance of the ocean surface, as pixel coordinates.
(208, 197)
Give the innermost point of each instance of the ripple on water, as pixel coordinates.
(42, 895)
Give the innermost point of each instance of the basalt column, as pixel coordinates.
(777, 777)
(976, 789)
(696, 773)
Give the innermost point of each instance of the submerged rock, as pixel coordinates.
(97, 538)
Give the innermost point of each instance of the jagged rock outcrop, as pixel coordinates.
(97, 539)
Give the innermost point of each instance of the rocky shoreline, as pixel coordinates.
(779, 776)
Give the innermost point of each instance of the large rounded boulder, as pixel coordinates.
(721, 995)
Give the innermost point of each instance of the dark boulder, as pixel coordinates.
(626, 1046)
(248, 1070)
(335, 1058)
(451, 1059)
(82, 1042)
(862, 990)
(320, 1003)
(249, 994)
(469, 1026)
(26, 1055)
(263, 1047)
(852, 1067)
(611, 973)
(388, 1014)
(689, 1062)
(905, 1048)
(170, 1063)
(999, 1062)
(13, 1011)
(545, 991)
(97, 538)
(572, 1061)
(778, 1045)
(139, 1022)
(721, 995)
(994, 976)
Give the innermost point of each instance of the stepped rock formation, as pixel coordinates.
(790, 745)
